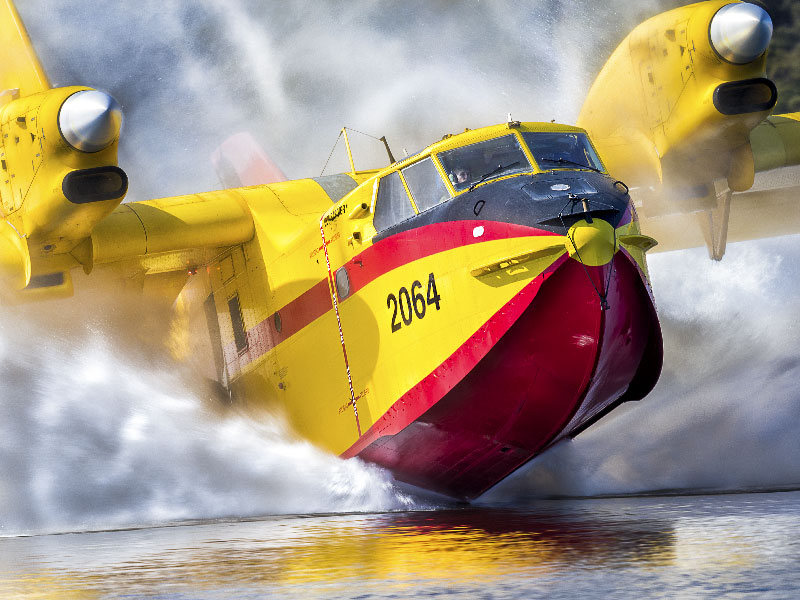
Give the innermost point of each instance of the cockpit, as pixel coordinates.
(562, 151)
(449, 168)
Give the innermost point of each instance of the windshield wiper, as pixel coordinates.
(499, 169)
(572, 162)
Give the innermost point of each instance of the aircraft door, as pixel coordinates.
(360, 301)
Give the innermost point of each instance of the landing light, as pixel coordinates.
(740, 33)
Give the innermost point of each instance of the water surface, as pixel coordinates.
(737, 545)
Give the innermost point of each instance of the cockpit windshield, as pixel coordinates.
(562, 150)
(469, 165)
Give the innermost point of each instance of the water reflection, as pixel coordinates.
(377, 554)
(741, 544)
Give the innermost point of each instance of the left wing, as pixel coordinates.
(21, 74)
(61, 189)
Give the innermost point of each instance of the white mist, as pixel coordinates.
(91, 439)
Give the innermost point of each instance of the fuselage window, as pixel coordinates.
(239, 335)
(392, 204)
(479, 162)
(342, 283)
(425, 184)
(562, 150)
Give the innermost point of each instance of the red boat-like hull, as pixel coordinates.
(555, 363)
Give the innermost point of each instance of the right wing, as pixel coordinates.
(678, 113)
(61, 189)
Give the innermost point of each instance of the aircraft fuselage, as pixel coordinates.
(448, 330)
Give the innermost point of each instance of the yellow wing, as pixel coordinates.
(61, 189)
(678, 112)
(21, 74)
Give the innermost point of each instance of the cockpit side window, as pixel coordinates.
(425, 184)
(553, 150)
(392, 204)
(482, 161)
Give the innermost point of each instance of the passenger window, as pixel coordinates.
(392, 204)
(425, 184)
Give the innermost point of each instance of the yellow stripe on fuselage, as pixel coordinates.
(386, 364)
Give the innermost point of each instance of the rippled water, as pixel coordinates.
(738, 545)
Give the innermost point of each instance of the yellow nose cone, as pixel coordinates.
(593, 243)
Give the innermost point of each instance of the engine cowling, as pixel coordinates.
(59, 151)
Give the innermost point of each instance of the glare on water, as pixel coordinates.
(656, 547)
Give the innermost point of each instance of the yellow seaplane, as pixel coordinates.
(448, 317)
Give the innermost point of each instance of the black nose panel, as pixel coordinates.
(552, 201)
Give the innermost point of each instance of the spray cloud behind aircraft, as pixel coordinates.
(94, 438)
(189, 74)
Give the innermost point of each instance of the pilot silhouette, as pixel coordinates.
(567, 148)
(461, 175)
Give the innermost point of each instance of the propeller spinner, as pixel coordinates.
(740, 33)
(90, 120)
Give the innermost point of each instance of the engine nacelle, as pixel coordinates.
(682, 93)
(59, 173)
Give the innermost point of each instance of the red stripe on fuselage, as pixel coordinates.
(307, 307)
(433, 387)
(380, 258)
(408, 246)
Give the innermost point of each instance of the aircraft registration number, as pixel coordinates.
(410, 304)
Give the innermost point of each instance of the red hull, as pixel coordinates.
(557, 363)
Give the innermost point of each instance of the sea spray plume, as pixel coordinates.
(90, 440)
(189, 74)
(723, 416)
